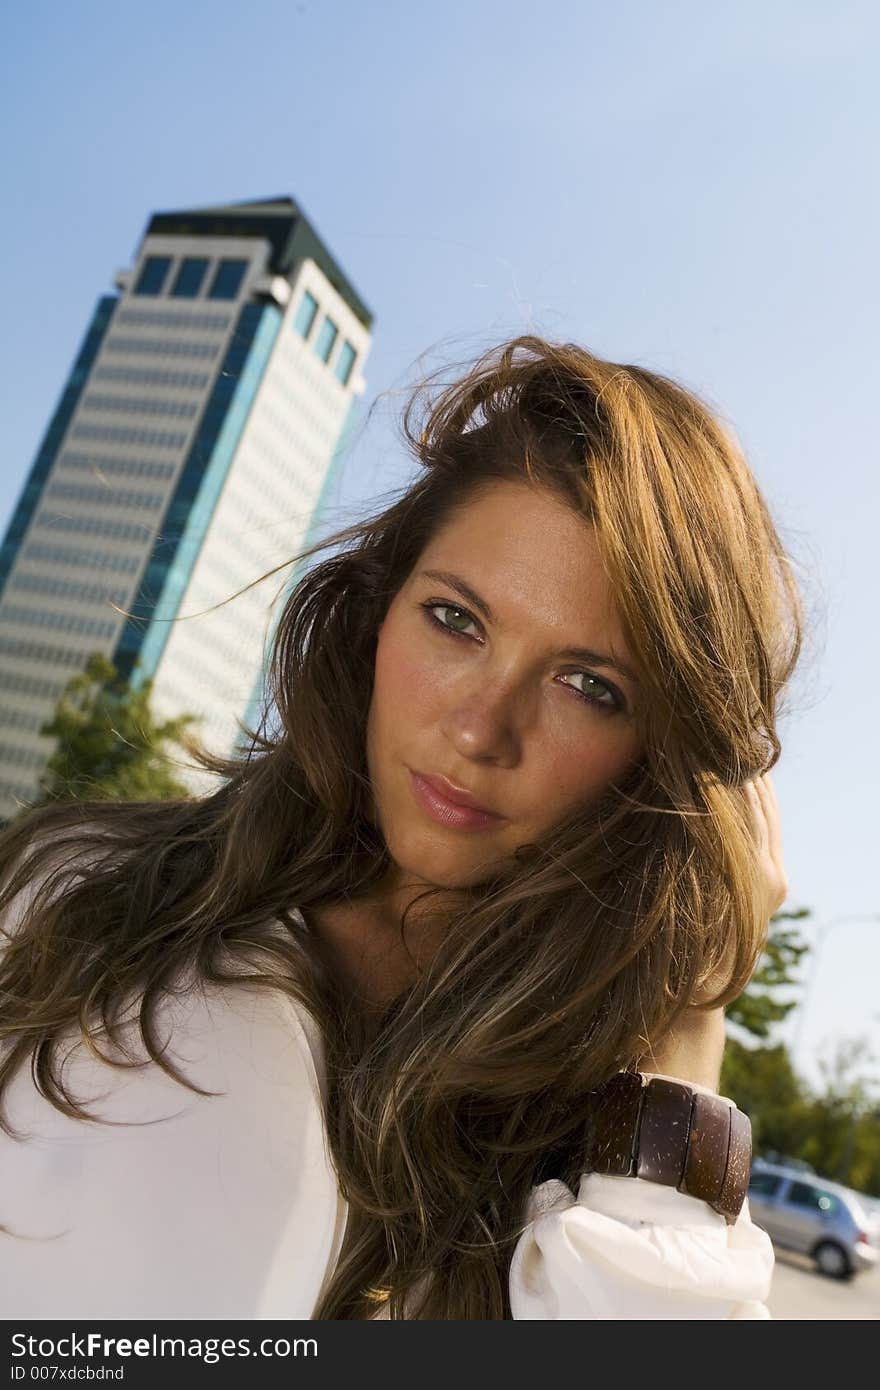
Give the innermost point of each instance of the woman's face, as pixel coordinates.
(496, 704)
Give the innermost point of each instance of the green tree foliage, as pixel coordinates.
(764, 1084)
(835, 1129)
(759, 1007)
(110, 746)
(845, 1134)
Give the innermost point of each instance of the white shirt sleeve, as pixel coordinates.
(204, 1207)
(628, 1248)
(183, 1205)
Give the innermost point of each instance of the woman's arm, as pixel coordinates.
(628, 1248)
(625, 1248)
(693, 1050)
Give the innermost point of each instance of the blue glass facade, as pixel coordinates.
(154, 273)
(326, 338)
(305, 314)
(46, 454)
(344, 362)
(185, 522)
(188, 280)
(227, 279)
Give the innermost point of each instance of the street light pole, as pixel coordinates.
(821, 933)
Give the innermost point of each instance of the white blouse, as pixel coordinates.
(227, 1206)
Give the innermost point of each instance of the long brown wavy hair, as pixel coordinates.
(556, 971)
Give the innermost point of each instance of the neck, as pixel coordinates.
(371, 951)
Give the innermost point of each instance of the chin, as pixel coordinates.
(438, 865)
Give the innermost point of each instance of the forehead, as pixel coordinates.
(528, 552)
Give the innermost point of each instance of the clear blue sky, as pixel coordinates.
(692, 187)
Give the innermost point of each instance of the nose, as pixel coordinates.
(487, 723)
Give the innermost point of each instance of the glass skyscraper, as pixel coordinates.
(200, 427)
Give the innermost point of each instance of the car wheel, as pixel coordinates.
(832, 1259)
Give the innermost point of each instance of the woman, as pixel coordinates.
(579, 618)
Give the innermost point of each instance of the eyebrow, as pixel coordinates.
(586, 654)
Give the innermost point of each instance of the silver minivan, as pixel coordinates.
(801, 1211)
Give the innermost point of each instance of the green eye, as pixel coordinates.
(601, 686)
(609, 706)
(447, 608)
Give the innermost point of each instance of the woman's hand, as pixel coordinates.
(694, 1048)
(765, 810)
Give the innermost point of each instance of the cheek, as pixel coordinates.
(582, 769)
(404, 683)
(579, 754)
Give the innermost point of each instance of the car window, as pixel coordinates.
(765, 1184)
(803, 1194)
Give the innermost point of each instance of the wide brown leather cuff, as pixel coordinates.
(667, 1132)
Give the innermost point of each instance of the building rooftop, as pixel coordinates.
(284, 225)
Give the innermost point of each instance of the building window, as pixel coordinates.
(326, 338)
(227, 280)
(305, 314)
(344, 363)
(189, 277)
(153, 274)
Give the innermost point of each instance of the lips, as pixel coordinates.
(452, 815)
(457, 795)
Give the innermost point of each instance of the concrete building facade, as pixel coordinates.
(202, 423)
